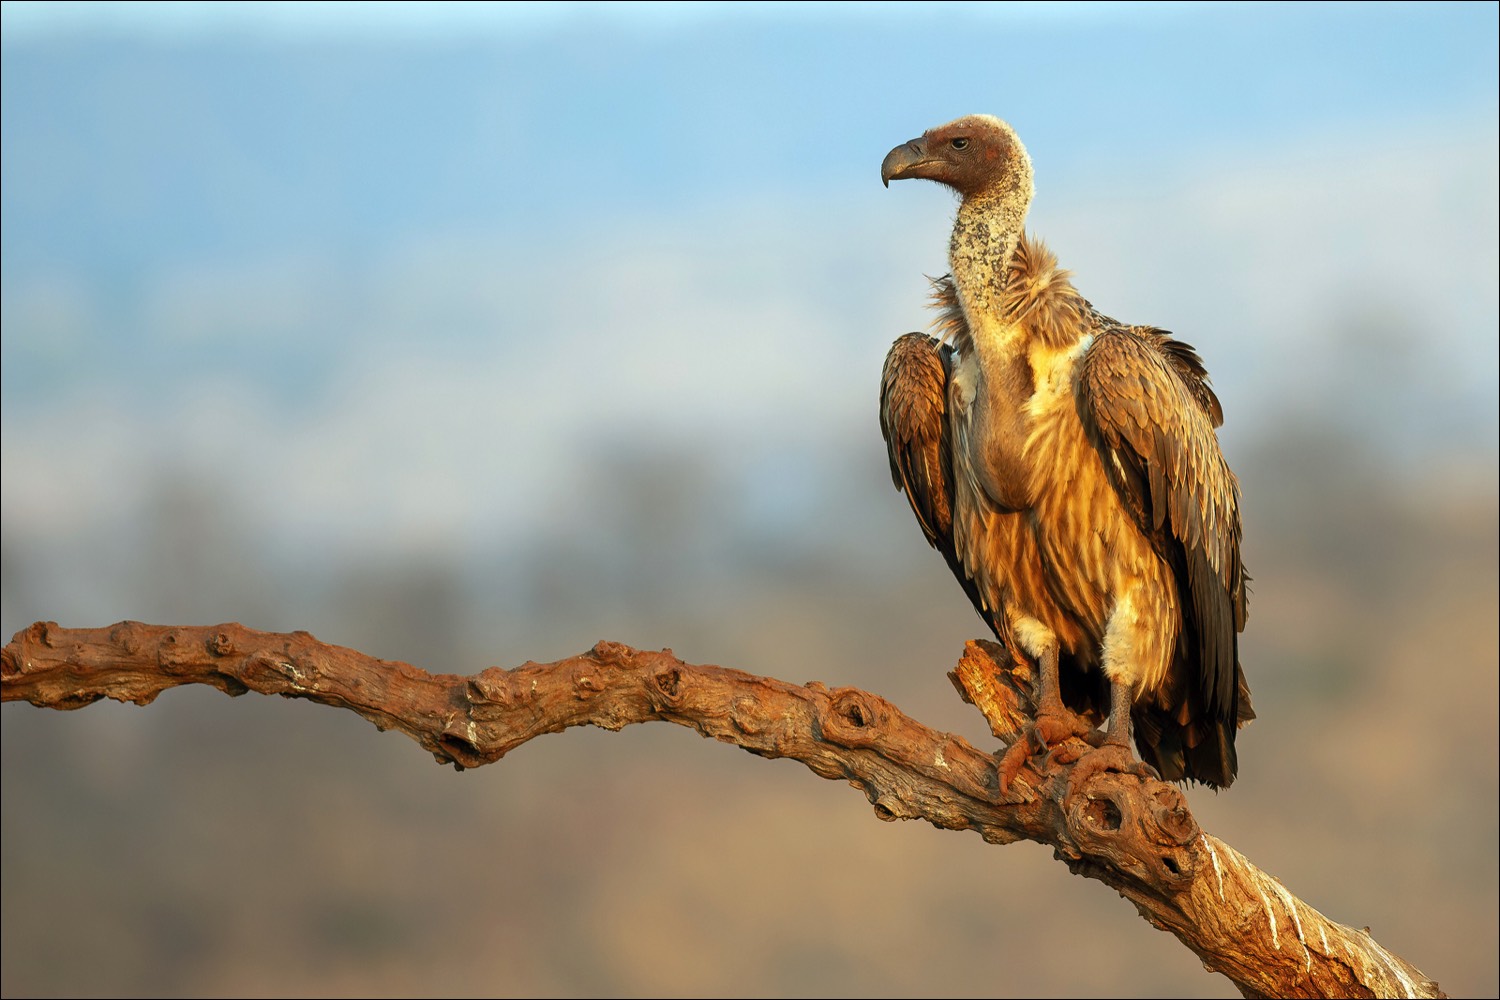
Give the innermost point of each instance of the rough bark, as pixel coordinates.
(1103, 814)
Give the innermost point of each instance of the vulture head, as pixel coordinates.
(976, 154)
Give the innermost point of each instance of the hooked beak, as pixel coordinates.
(903, 161)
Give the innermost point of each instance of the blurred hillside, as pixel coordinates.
(476, 347)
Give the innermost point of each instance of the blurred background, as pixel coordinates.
(467, 335)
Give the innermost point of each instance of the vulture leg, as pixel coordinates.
(1054, 723)
(1120, 697)
(1114, 754)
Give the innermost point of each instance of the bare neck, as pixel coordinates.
(985, 234)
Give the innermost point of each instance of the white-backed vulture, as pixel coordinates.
(1067, 467)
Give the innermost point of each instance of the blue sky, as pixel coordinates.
(36, 17)
(299, 205)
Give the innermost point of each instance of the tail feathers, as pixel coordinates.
(1202, 750)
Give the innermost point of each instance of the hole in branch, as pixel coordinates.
(1104, 814)
(669, 682)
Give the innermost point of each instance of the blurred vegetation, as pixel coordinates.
(170, 850)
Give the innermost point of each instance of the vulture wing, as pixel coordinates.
(1146, 405)
(913, 419)
(913, 394)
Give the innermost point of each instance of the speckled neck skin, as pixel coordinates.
(985, 234)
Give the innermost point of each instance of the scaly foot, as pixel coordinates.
(1048, 731)
(1110, 756)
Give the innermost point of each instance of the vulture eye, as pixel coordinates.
(960, 144)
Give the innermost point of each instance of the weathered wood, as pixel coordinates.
(1102, 813)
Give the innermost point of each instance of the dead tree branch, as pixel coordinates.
(1102, 816)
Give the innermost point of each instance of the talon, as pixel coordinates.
(1062, 735)
(1109, 757)
(1012, 761)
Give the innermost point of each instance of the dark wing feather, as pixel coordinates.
(913, 419)
(1189, 368)
(913, 391)
(1145, 402)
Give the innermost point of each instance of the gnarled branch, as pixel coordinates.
(1105, 817)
